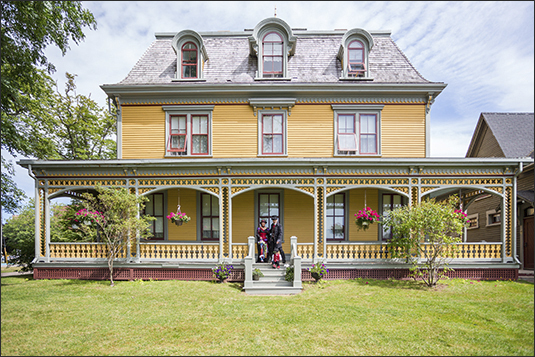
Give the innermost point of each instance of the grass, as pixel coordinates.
(355, 317)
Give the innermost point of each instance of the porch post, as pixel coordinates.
(47, 227)
(296, 262)
(248, 282)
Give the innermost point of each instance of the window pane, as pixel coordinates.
(206, 205)
(274, 205)
(277, 124)
(215, 227)
(264, 205)
(368, 144)
(355, 55)
(199, 144)
(207, 228)
(339, 228)
(199, 124)
(273, 37)
(215, 206)
(367, 124)
(277, 144)
(347, 142)
(149, 205)
(268, 49)
(330, 206)
(158, 205)
(346, 124)
(158, 225)
(268, 144)
(268, 124)
(397, 201)
(330, 227)
(268, 64)
(277, 64)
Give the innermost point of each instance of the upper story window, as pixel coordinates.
(272, 54)
(188, 130)
(189, 60)
(272, 43)
(357, 129)
(354, 54)
(191, 55)
(355, 59)
(272, 128)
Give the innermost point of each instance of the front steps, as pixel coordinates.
(272, 283)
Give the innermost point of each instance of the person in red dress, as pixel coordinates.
(262, 235)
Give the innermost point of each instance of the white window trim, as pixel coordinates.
(357, 110)
(489, 213)
(367, 40)
(188, 110)
(261, 113)
(202, 56)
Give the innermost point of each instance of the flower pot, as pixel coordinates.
(178, 223)
(256, 277)
(365, 223)
(316, 276)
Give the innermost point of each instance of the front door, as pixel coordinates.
(528, 243)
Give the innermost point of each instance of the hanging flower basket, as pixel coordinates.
(364, 218)
(178, 218)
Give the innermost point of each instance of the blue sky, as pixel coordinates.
(483, 51)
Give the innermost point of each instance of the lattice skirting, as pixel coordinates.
(381, 274)
(239, 275)
(131, 274)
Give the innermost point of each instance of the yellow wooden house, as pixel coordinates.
(235, 127)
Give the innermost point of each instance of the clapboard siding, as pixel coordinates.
(143, 134)
(403, 131)
(235, 132)
(311, 131)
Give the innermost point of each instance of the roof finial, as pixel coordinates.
(275, 11)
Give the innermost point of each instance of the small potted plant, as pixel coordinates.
(178, 218)
(318, 271)
(364, 218)
(222, 271)
(257, 273)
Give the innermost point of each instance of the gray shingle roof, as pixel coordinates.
(315, 61)
(513, 131)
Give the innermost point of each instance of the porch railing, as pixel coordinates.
(305, 251)
(374, 251)
(178, 251)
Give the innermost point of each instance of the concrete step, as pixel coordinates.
(279, 290)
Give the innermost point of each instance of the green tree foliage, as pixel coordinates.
(425, 234)
(77, 128)
(19, 233)
(27, 91)
(12, 196)
(116, 212)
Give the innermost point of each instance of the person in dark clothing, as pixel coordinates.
(277, 236)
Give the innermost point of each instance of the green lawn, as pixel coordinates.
(355, 317)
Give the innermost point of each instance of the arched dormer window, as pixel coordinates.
(272, 55)
(191, 55)
(272, 43)
(356, 64)
(354, 54)
(189, 60)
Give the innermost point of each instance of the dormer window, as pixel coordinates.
(191, 55)
(272, 43)
(189, 60)
(354, 54)
(272, 55)
(355, 59)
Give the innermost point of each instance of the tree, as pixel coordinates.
(19, 233)
(27, 29)
(77, 128)
(428, 230)
(116, 212)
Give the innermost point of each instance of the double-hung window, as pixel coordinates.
(357, 130)
(272, 55)
(209, 217)
(188, 130)
(272, 133)
(189, 60)
(155, 208)
(356, 62)
(335, 215)
(390, 201)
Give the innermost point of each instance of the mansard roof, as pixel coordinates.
(314, 61)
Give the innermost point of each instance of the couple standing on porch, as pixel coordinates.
(268, 240)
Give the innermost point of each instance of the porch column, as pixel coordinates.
(319, 219)
(47, 227)
(37, 221)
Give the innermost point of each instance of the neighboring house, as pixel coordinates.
(507, 135)
(235, 127)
